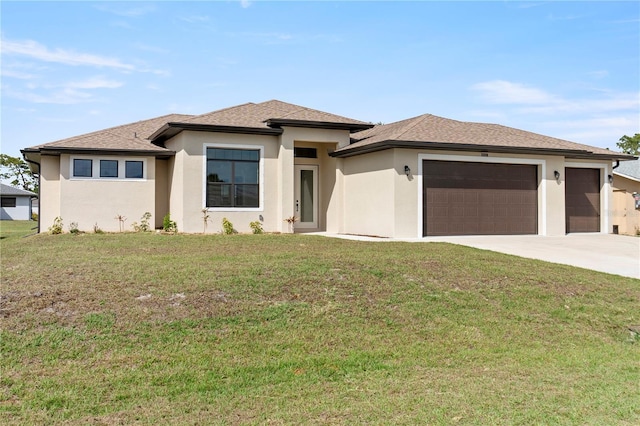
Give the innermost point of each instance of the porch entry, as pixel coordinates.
(306, 196)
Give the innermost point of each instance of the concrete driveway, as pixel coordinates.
(613, 254)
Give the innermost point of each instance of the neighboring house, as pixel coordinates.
(626, 197)
(16, 203)
(273, 160)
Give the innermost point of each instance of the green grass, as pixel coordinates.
(17, 228)
(294, 329)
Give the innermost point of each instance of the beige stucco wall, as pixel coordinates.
(187, 178)
(326, 180)
(379, 199)
(97, 201)
(624, 214)
(369, 203)
(49, 190)
(330, 195)
(162, 190)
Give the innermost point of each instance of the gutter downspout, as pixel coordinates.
(39, 182)
(616, 166)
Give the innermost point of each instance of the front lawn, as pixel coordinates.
(294, 329)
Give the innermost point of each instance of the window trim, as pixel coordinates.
(14, 203)
(117, 168)
(133, 161)
(95, 168)
(259, 148)
(73, 168)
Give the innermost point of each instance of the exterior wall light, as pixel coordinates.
(556, 174)
(407, 170)
(610, 179)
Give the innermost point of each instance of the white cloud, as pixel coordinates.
(131, 12)
(66, 96)
(245, 4)
(598, 74)
(553, 17)
(594, 117)
(528, 99)
(40, 52)
(98, 82)
(16, 74)
(195, 19)
(149, 48)
(506, 92)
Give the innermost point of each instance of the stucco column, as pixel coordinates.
(335, 208)
(285, 182)
(554, 204)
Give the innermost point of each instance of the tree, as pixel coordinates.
(17, 172)
(630, 144)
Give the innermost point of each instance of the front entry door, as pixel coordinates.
(306, 197)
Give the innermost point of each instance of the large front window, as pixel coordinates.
(233, 177)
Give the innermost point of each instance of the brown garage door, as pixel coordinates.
(582, 200)
(479, 198)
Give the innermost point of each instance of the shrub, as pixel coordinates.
(56, 228)
(73, 228)
(227, 227)
(169, 225)
(96, 229)
(34, 217)
(121, 220)
(205, 220)
(144, 223)
(256, 227)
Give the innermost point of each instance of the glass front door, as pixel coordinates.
(306, 197)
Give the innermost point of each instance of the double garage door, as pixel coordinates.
(463, 198)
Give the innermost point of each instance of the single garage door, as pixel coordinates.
(582, 200)
(462, 198)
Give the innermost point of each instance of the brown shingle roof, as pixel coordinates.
(430, 130)
(256, 115)
(127, 137)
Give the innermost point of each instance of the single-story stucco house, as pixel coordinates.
(272, 161)
(16, 203)
(626, 197)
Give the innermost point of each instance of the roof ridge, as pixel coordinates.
(414, 122)
(193, 117)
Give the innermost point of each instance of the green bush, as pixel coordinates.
(256, 227)
(73, 228)
(169, 225)
(56, 228)
(144, 225)
(227, 227)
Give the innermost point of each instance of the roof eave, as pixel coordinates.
(633, 178)
(169, 130)
(351, 127)
(47, 150)
(379, 146)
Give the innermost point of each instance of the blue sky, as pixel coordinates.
(564, 69)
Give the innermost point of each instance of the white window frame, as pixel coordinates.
(95, 168)
(259, 148)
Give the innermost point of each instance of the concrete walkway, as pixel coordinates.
(613, 254)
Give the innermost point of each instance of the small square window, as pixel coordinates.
(9, 201)
(109, 168)
(133, 170)
(82, 168)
